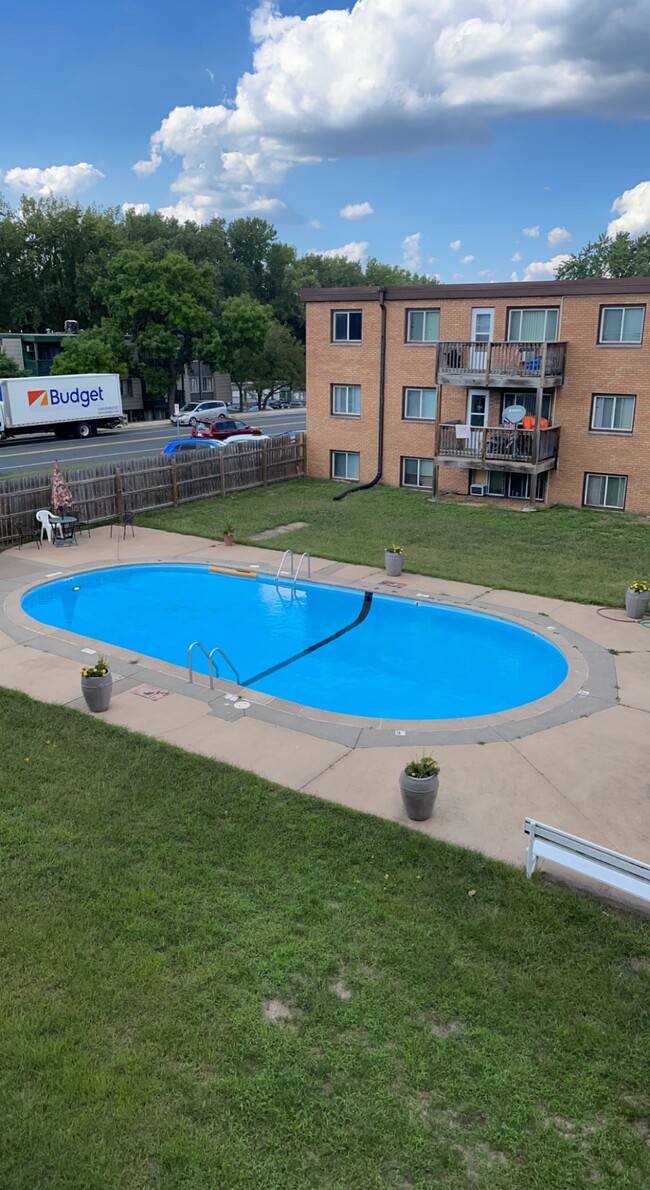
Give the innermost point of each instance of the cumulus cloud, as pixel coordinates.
(467, 259)
(516, 257)
(412, 256)
(137, 208)
(531, 232)
(356, 210)
(54, 179)
(544, 270)
(633, 207)
(423, 75)
(455, 245)
(486, 273)
(514, 276)
(557, 236)
(355, 250)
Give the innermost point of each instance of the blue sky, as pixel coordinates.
(449, 122)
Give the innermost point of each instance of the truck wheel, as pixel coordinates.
(83, 430)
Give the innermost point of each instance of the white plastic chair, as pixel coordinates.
(49, 524)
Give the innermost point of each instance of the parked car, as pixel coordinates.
(188, 445)
(192, 412)
(223, 427)
(241, 439)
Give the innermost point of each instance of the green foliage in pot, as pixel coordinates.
(394, 549)
(98, 670)
(425, 766)
(639, 586)
(228, 529)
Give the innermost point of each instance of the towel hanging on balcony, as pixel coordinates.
(463, 431)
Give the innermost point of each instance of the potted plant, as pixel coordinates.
(637, 597)
(228, 533)
(97, 685)
(393, 559)
(418, 784)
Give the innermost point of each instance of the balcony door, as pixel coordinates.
(482, 328)
(478, 405)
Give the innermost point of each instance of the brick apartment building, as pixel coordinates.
(530, 391)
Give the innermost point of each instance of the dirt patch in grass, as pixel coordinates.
(340, 988)
(276, 1011)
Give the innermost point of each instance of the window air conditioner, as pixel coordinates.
(478, 489)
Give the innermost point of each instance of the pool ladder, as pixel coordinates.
(294, 571)
(213, 668)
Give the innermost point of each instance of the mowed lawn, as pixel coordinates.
(210, 981)
(565, 553)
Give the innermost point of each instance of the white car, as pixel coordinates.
(236, 439)
(190, 414)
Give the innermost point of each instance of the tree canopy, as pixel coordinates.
(609, 256)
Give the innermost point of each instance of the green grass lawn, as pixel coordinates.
(565, 553)
(157, 907)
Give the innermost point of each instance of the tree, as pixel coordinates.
(165, 305)
(101, 349)
(281, 364)
(240, 338)
(381, 275)
(9, 368)
(609, 256)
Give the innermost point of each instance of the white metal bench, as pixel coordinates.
(609, 867)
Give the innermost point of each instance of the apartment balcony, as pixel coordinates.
(501, 365)
(498, 448)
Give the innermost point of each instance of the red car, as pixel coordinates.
(222, 427)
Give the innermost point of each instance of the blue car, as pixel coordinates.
(183, 445)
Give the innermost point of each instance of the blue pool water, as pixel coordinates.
(389, 657)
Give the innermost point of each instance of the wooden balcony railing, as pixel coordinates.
(496, 444)
(498, 364)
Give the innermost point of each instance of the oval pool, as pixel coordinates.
(332, 648)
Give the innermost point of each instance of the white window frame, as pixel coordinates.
(605, 475)
(533, 481)
(476, 312)
(423, 338)
(611, 397)
(419, 416)
(346, 392)
(336, 314)
(194, 384)
(207, 384)
(419, 460)
(347, 455)
(534, 310)
(621, 342)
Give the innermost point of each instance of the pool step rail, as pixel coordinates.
(288, 558)
(303, 558)
(213, 668)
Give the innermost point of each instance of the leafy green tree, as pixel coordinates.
(281, 364)
(609, 256)
(381, 275)
(9, 368)
(101, 349)
(166, 307)
(239, 340)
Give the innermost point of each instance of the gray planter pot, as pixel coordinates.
(419, 795)
(97, 692)
(636, 603)
(393, 563)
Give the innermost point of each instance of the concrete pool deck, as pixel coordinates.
(579, 760)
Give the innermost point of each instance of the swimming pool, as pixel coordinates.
(333, 648)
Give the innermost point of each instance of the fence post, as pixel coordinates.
(174, 482)
(302, 442)
(265, 464)
(222, 473)
(119, 495)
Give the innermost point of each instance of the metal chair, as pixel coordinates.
(27, 532)
(125, 521)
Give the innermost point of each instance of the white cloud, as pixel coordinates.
(485, 273)
(432, 259)
(352, 251)
(633, 207)
(210, 74)
(137, 208)
(54, 179)
(544, 270)
(356, 210)
(142, 168)
(455, 245)
(531, 232)
(516, 257)
(412, 257)
(457, 277)
(467, 259)
(423, 75)
(314, 223)
(514, 276)
(557, 236)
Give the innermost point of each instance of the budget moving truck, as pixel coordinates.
(68, 406)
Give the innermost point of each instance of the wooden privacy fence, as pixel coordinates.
(163, 481)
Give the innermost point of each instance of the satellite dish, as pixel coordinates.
(514, 414)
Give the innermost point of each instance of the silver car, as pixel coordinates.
(190, 414)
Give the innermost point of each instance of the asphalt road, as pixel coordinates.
(19, 456)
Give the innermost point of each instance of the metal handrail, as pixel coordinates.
(303, 557)
(212, 667)
(286, 554)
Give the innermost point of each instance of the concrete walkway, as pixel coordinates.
(589, 774)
